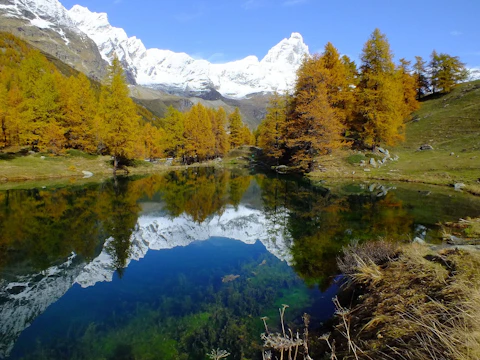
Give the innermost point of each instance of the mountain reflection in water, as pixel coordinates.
(73, 247)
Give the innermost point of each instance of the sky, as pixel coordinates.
(226, 30)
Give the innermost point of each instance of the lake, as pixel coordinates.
(173, 266)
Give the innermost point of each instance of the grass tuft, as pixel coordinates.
(410, 302)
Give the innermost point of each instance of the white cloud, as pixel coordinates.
(456, 33)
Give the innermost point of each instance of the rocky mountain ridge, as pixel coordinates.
(87, 41)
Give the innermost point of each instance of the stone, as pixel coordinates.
(426, 147)
(383, 151)
(418, 240)
(366, 170)
(87, 174)
(452, 153)
(373, 162)
(459, 186)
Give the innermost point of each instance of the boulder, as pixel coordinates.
(425, 147)
(383, 151)
(459, 186)
(373, 162)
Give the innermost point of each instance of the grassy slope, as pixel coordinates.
(449, 123)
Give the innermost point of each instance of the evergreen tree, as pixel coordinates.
(421, 78)
(433, 69)
(235, 127)
(380, 105)
(118, 115)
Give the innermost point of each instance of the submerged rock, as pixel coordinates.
(229, 278)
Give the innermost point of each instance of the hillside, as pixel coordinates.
(449, 123)
(253, 108)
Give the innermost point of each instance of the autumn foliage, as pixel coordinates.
(44, 110)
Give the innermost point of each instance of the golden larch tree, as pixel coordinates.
(174, 142)
(313, 127)
(380, 98)
(235, 128)
(198, 133)
(271, 132)
(339, 82)
(409, 88)
(118, 116)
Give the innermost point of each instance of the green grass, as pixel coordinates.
(450, 123)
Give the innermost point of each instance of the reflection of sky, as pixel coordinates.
(159, 274)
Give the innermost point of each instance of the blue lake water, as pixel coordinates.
(172, 266)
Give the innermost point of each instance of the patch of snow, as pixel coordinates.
(40, 23)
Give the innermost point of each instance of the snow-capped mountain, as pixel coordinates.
(182, 73)
(83, 38)
(47, 25)
(26, 297)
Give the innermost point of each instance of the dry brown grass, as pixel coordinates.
(412, 303)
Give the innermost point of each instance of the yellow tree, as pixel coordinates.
(271, 134)
(79, 104)
(246, 136)
(45, 115)
(313, 127)
(152, 138)
(118, 115)
(235, 128)
(380, 97)
(198, 132)
(449, 72)
(173, 141)
(14, 116)
(339, 82)
(409, 88)
(3, 114)
(219, 123)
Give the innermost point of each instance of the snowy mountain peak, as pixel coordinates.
(290, 51)
(41, 13)
(180, 73)
(173, 72)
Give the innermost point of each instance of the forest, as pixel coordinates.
(337, 104)
(44, 110)
(334, 104)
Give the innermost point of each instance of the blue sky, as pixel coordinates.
(224, 30)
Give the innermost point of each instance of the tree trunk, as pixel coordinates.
(115, 164)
